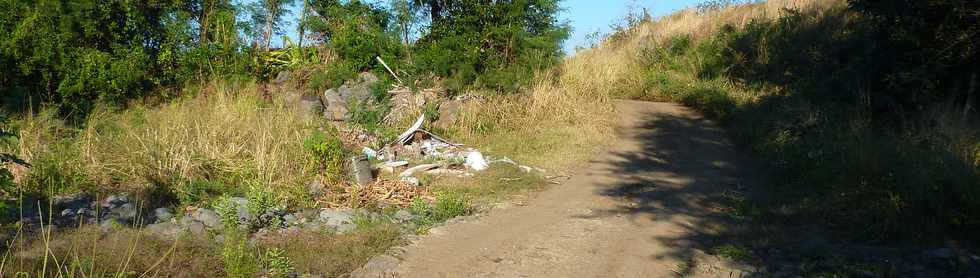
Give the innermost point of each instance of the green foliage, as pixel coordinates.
(6, 177)
(238, 257)
(327, 153)
(734, 252)
(199, 191)
(358, 32)
(497, 44)
(446, 206)
(78, 53)
(277, 263)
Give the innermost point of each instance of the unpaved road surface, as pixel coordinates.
(641, 209)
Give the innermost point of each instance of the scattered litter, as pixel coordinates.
(413, 181)
(362, 170)
(369, 153)
(391, 166)
(420, 168)
(424, 152)
(475, 161)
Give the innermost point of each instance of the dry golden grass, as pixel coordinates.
(226, 134)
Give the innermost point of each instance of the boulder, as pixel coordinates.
(367, 78)
(241, 209)
(448, 114)
(335, 108)
(310, 106)
(165, 229)
(207, 217)
(74, 202)
(282, 77)
(163, 214)
(126, 212)
(114, 201)
(316, 188)
(403, 216)
(195, 228)
(341, 220)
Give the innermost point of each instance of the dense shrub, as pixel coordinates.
(494, 44)
(77, 53)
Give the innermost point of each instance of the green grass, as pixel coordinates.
(802, 114)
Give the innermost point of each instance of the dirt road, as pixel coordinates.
(641, 209)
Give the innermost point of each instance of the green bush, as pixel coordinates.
(327, 154)
(446, 206)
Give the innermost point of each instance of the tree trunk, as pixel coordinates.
(408, 50)
(969, 97)
(203, 34)
(268, 30)
(302, 24)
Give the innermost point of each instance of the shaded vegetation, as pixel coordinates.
(856, 124)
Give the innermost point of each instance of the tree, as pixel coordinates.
(405, 16)
(495, 44)
(274, 11)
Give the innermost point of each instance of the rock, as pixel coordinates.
(68, 213)
(367, 77)
(448, 113)
(207, 217)
(310, 105)
(361, 169)
(316, 188)
(85, 212)
(241, 208)
(282, 77)
(163, 214)
(335, 107)
(379, 266)
(338, 219)
(125, 211)
(195, 228)
(164, 229)
(291, 219)
(74, 202)
(361, 90)
(114, 201)
(109, 225)
(186, 221)
(403, 216)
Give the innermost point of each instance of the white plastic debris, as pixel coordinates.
(410, 180)
(369, 153)
(390, 166)
(475, 161)
(419, 168)
(403, 138)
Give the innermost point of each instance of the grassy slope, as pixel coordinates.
(787, 83)
(226, 139)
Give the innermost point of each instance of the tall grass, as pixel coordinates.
(226, 137)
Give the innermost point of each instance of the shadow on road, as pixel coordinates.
(684, 171)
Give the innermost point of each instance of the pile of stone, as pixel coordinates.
(120, 211)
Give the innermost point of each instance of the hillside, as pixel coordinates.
(816, 138)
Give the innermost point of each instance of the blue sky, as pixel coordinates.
(585, 16)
